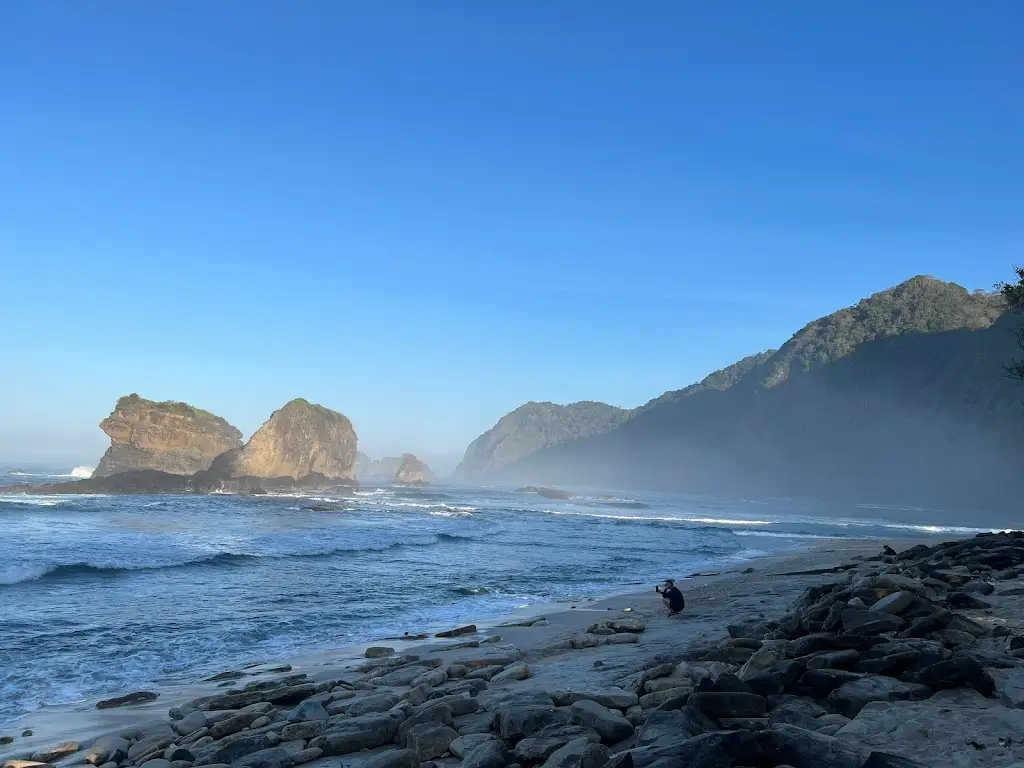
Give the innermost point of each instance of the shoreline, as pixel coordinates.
(711, 605)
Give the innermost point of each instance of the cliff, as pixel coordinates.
(167, 436)
(900, 399)
(298, 440)
(412, 472)
(530, 428)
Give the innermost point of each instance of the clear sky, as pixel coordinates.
(424, 214)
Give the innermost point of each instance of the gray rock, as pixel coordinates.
(517, 721)
(463, 745)
(940, 734)
(594, 756)
(272, 757)
(611, 698)
(569, 755)
(484, 673)
(190, 723)
(869, 622)
(834, 660)
(379, 702)
(393, 758)
(306, 756)
(479, 722)
(489, 754)
(439, 713)
(540, 746)
(355, 734)
(430, 740)
(663, 728)
(308, 710)
(801, 748)
(100, 752)
(307, 730)
(230, 750)
(1009, 686)
(652, 700)
(609, 724)
(896, 603)
(622, 638)
(53, 754)
(849, 698)
(148, 746)
(157, 762)
(458, 704)
(378, 651)
(176, 754)
(768, 655)
(515, 672)
(717, 705)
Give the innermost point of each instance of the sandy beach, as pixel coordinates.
(763, 587)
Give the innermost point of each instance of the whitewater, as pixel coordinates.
(103, 595)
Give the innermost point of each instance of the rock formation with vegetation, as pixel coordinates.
(298, 440)
(530, 428)
(412, 472)
(172, 437)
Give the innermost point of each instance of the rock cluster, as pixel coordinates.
(901, 663)
(171, 437)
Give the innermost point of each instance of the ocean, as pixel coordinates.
(102, 595)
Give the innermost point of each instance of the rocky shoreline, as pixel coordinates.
(904, 659)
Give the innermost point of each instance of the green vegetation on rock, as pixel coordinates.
(534, 426)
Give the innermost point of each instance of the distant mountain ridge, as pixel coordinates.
(900, 398)
(534, 426)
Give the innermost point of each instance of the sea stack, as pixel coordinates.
(412, 472)
(298, 440)
(171, 437)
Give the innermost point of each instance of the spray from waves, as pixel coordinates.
(17, 574)
(83, 473)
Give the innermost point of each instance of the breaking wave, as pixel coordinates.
(17, 574)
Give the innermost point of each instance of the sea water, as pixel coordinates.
(102, 595)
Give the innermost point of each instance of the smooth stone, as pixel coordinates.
(461, 746)
(869, 622)
(378, 651)
(801, 748)
(138, 697)
(663, 728)
(190, 723)
(540, 746)
(611, 698)
(515, 672)
(516, 722)
(958, 672)
(896, 603)
(489, 754)
(308, 710)
(306, 730)
(157, 763)
(356, 734)
(849, 698)
(609, 724)
(430, 740)
(393, 758)
(569, 755)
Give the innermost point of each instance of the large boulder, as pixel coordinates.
(540, 746)
(938, 732)
(801, 748)
(849, 698)
(356, 734)
(609, 724)
(167, 436)
(299, 439)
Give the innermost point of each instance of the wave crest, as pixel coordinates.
(17, 574)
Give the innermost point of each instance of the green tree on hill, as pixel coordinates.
(1014, 295)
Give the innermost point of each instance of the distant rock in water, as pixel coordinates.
(412, 472)
(168, 436)
(533, 427)
(547, 493)
(379, 471)
(298, 440)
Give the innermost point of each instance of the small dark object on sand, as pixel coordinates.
(139, 697)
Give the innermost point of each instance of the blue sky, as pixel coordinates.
(424, 214)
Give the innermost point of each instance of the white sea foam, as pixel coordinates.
(661, 518)
(15, 574)
(83, 473)
(35, 501)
